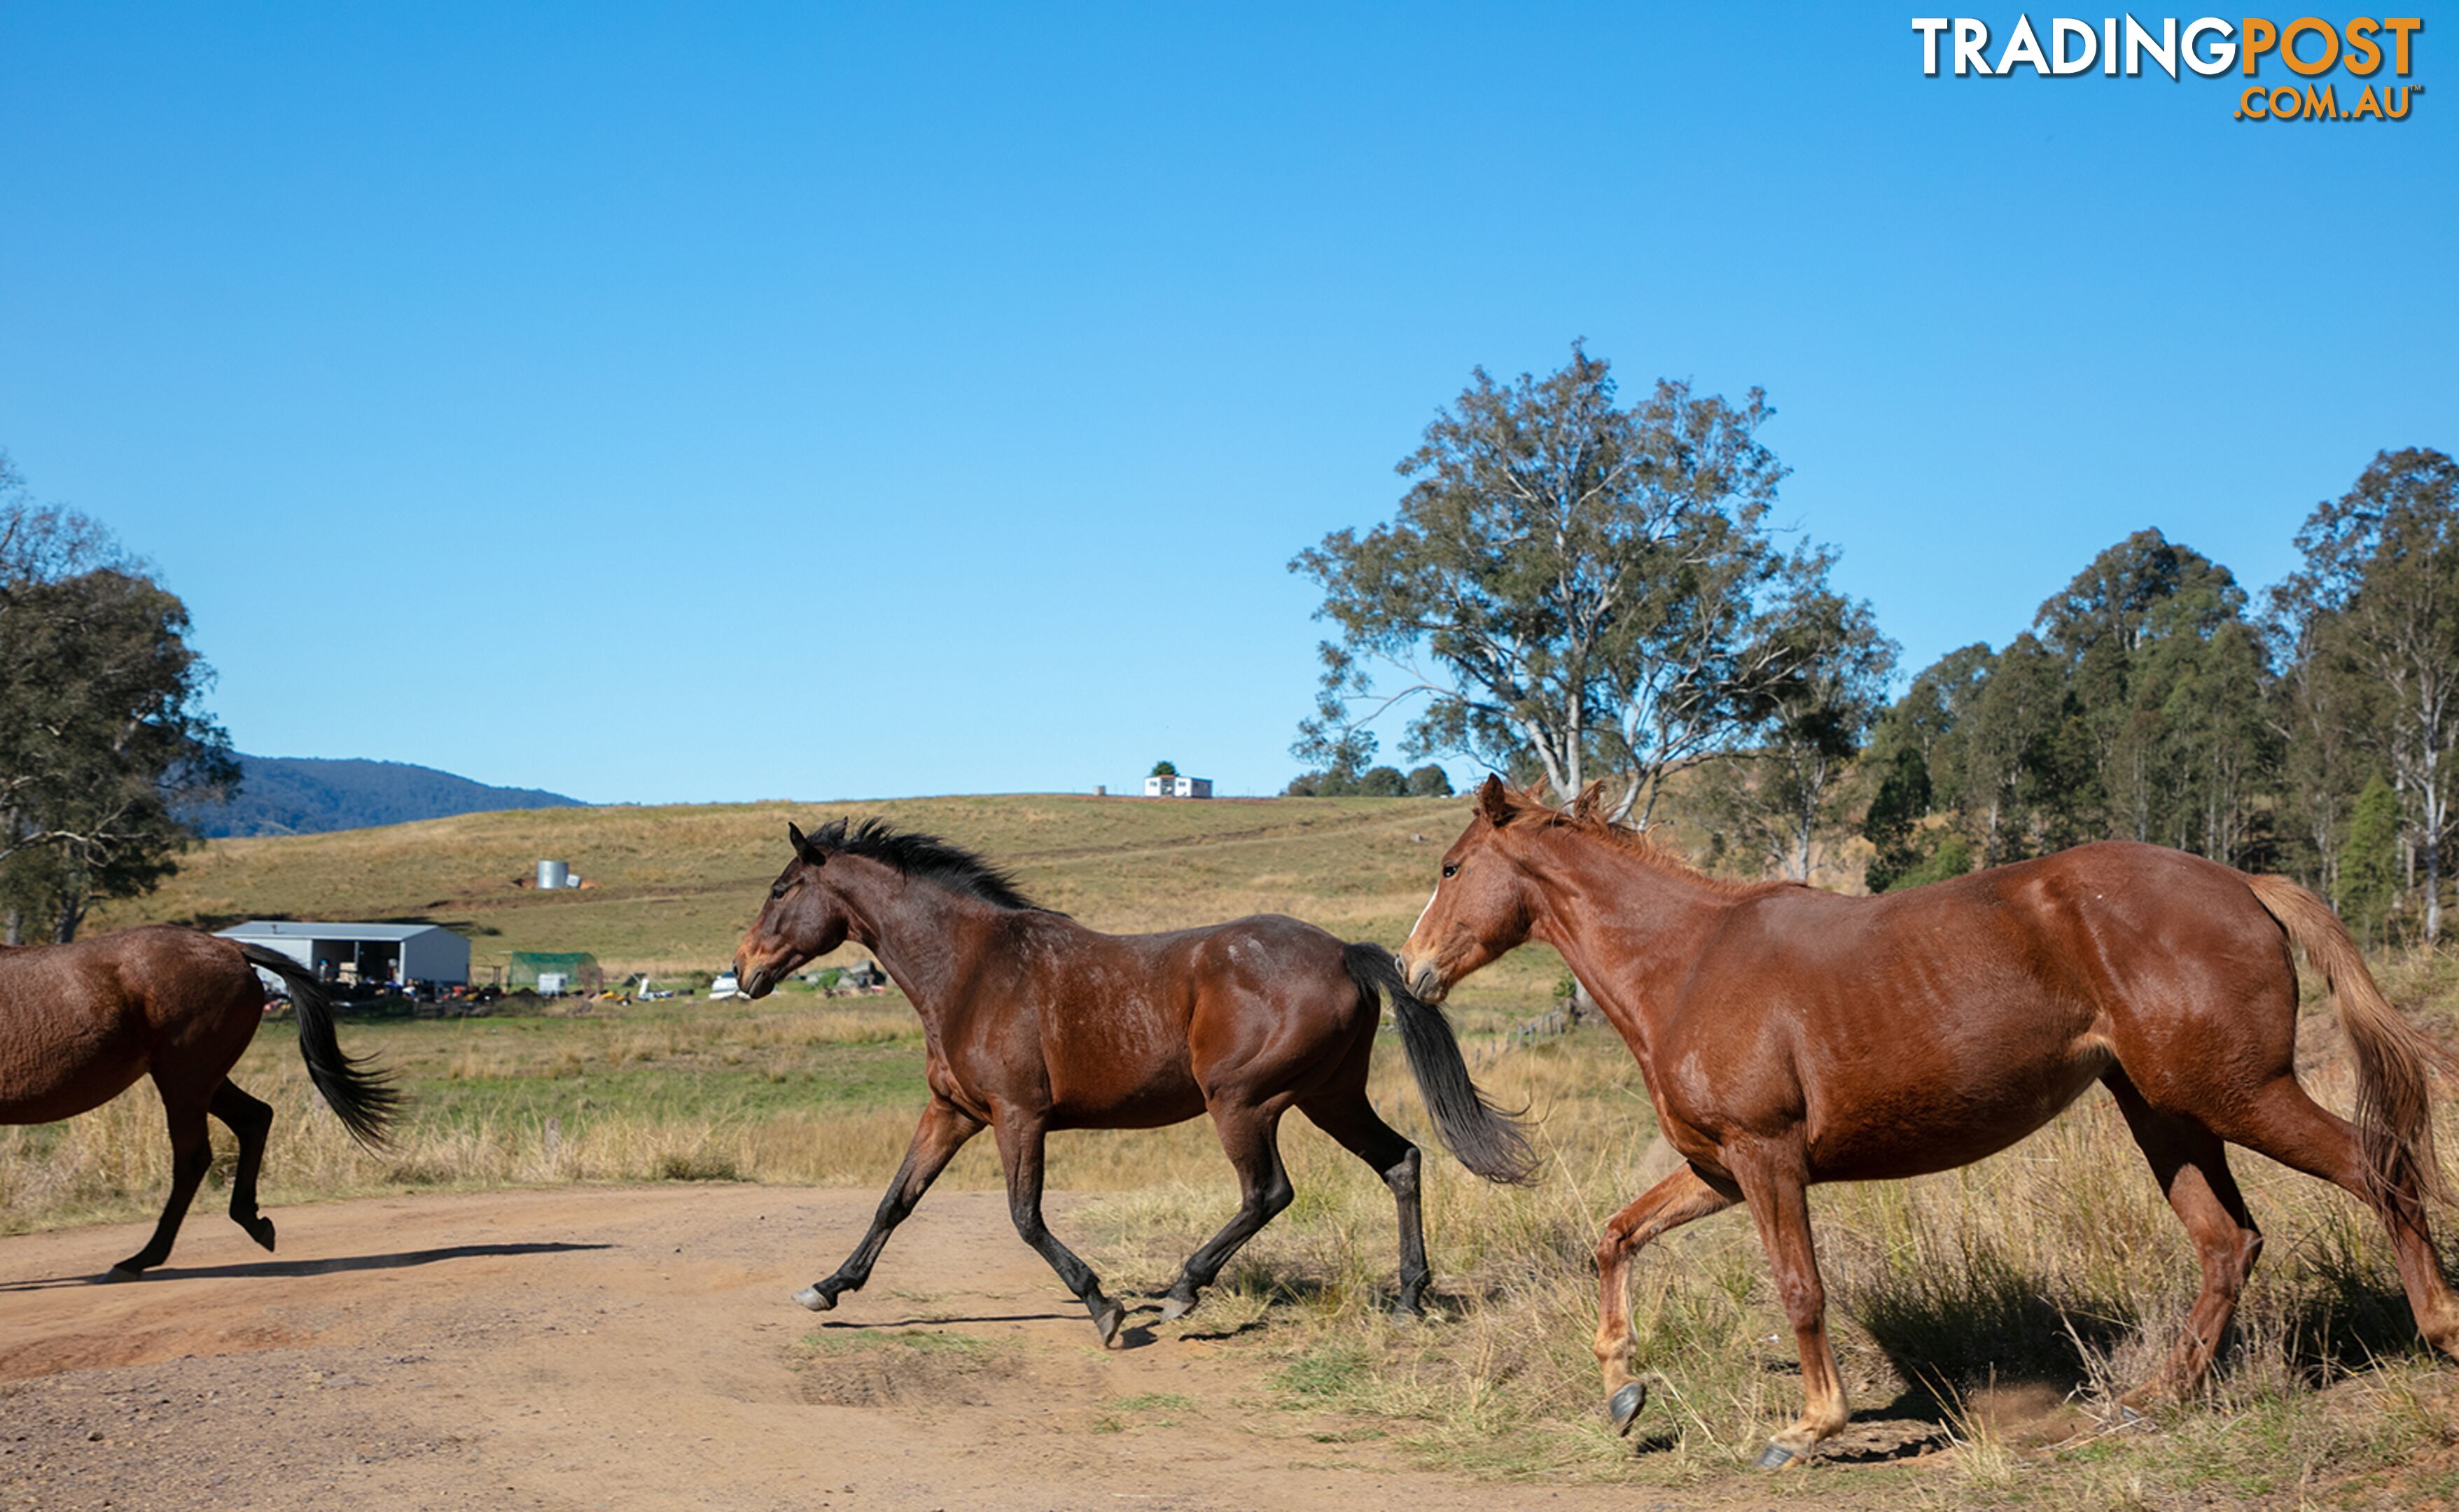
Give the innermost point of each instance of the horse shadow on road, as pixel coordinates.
(396, 1260)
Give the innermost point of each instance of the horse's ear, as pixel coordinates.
(1494, 801)
(803, 847)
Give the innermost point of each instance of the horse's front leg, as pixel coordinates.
(942, 1132)
(1778, 1191)
(1669, 1203)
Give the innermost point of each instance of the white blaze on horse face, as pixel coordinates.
(1423, 911)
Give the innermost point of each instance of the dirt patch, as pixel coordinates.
(2027, 1416)
(1877, 1441)
(637, 1348)
(90, 1351)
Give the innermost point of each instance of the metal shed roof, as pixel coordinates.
(298, 929)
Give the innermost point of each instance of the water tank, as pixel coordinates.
(553, 874)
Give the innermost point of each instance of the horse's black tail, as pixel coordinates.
(1485, 1139)
(363, 1101)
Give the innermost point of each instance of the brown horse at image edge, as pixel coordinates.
(79, 1023)
(1791, 1036)
(1036, 1023)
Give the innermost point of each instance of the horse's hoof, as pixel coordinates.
(1107, 1321)
(125, 1270)
(259, 1229)
(818, 1300)
(1174, 1308)
(1774, 1457)
(1624, 1406)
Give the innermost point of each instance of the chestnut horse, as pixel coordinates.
(1034, 1022)
(78, 1023)
(1791, 1036)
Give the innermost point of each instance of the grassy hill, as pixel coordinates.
(671, 888)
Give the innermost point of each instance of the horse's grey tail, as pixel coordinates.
(1482, 1137)
(363, 1099)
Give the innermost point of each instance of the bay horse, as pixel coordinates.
(1034, 1022)
(80, 1022)
(1789, 1036)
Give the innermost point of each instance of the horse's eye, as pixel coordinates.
(1450, 872)
(777, 892)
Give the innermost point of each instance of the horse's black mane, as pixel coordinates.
(925, 856)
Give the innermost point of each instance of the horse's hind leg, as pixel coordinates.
(1351, 1118)
(942, 1132)
(1250, 1136)
(251, 1121)
(2191, 1164)
(2282, 1122)
(1019, 1143)
(192, 1153)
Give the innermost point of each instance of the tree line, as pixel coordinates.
(1586, 592)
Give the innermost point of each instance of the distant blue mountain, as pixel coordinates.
(301, 795)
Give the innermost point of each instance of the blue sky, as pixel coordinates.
(671, 404)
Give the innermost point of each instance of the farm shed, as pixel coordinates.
(554, 972)
(371, 952)
(1177, 787)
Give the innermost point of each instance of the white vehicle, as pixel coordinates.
(725, 987)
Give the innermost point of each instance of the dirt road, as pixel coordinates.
(635, 1348)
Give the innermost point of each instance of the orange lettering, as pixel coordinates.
(2363, 57)
(2400, 27)
(2313, 26)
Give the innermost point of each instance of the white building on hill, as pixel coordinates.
(1177, 787)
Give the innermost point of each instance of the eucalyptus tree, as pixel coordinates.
(1788, 787)
(2319, 711)
(1569, 587)
(1915, 759)
(2378, 600)
(103, 735)
(2017, 745)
